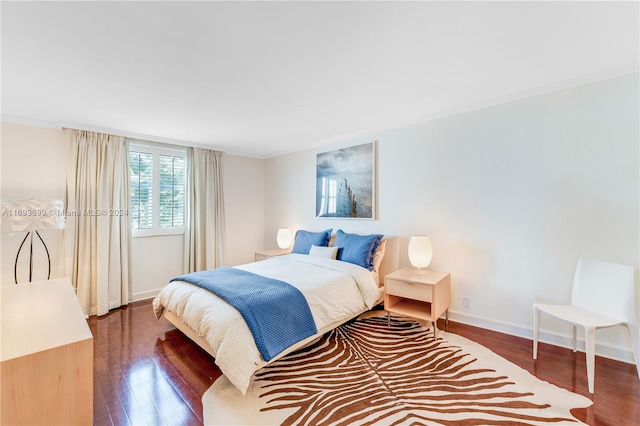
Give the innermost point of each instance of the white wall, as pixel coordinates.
(511, 196)
(154, 261)
(33, 165)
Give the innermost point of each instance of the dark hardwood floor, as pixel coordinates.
(616, 401)
(148, 373)
(145, 371)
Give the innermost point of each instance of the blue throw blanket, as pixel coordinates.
(276, 312)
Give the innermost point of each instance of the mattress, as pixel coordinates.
(335, 291)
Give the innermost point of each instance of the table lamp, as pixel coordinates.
(31, 216)
(284, 238)
(420, 251)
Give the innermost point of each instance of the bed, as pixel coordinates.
(336, 291)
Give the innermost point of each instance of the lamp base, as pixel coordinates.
(15, 266)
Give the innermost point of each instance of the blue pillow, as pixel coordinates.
(358, 249)
(305, 239)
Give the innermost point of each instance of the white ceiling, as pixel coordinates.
(265, 78)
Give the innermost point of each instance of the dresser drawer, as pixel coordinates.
(408, 289)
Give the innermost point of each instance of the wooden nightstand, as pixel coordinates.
(266, 254)
(422, 294)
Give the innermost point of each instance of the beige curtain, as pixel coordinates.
(98, 232)
(205, 235)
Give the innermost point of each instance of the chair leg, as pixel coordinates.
(575, 338)
(634, 335)
(536, 326)
(590, 349)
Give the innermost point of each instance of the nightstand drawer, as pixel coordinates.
(408, 289)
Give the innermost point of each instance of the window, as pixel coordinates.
(157, 190)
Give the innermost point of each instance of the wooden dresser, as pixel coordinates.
(46, 356)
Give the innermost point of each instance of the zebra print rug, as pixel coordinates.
(368, 372)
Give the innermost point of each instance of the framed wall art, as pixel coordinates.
(345, 182)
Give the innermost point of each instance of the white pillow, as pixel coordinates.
(326, 252)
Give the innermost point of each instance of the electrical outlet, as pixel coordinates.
(465, 302)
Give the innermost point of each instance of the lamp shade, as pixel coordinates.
(32, 215)
(420, 251)
(284, 238)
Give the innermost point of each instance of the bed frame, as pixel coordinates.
(389, 263)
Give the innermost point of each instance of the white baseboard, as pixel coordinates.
(145, 295)
(607, 350)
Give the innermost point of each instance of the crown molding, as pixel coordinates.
(132, 135)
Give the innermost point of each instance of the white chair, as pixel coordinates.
(602, 296)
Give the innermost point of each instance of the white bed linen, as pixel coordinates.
(333, 289)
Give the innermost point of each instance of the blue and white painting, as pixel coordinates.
(345, 182)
